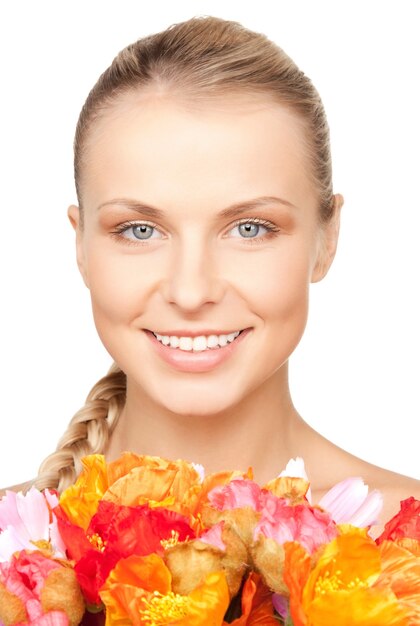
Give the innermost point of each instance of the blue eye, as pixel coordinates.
(142, 231)
(249, 229)
(137, 231)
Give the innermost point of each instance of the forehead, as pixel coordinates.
(163, 150)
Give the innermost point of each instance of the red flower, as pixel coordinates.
(116, 532)
(92, 571)
(405, 524)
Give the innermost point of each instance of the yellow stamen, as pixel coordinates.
(329, 583)
(172, 541)
(97, 542)
(164, 609)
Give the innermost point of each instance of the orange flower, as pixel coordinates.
(138, 591)
(354, 578)
(297, 567)
(257, 605)
(133, 480)
(155, 481)
(294, 489)
(80, 501)
(401, 572)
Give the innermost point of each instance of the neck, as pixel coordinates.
(264, 431)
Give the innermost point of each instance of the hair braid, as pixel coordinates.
(87, 433)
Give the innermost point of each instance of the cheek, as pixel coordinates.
(289, 290)
(274, 282)
(118, 285)
(276, 285)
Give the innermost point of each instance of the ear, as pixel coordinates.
(75, 218)
(328, 242)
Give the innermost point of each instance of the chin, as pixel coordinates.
(198, 407)
(190, 395)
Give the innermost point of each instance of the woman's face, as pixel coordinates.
(161, 250)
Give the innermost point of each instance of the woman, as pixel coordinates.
(205, 211)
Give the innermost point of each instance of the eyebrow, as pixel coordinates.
(230, 211)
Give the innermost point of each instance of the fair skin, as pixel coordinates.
(197, 271)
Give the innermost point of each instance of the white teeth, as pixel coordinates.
(173, 340)
(185, 343)
(212, 341)
(223, 339)
(197, 344)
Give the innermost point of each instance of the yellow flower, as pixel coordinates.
(138, 591)
(80, 501)
(364, 584)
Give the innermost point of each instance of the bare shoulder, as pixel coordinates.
(16, 488)
(395, 488)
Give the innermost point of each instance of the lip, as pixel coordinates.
(192, 333)
(189, 361)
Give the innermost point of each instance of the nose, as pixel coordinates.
(193, 278)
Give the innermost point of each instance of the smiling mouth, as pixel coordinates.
(198, 343)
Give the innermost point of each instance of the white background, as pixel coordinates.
(355, 374)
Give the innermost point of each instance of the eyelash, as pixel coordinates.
(271, 228)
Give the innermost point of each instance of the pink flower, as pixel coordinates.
(26, 522)
(213, 536)
(348, 502)
(23, 585)
(279, 520)
(237, 494)
(309, 526)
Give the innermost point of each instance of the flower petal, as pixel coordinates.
(213, 536)
(257, 604)
(80, 500)
(297, 567)
(56, 539)
(405, 524)
(9, 515)
(52, 618)
(34, 513)
(367, 514)
(295, 468)
(348, 502)
(200, 470)
(237, 494)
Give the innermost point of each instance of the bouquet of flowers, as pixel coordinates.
(149, 541)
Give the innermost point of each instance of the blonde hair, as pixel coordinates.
(196, 61)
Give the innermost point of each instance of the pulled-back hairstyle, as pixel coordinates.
(195, 61)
